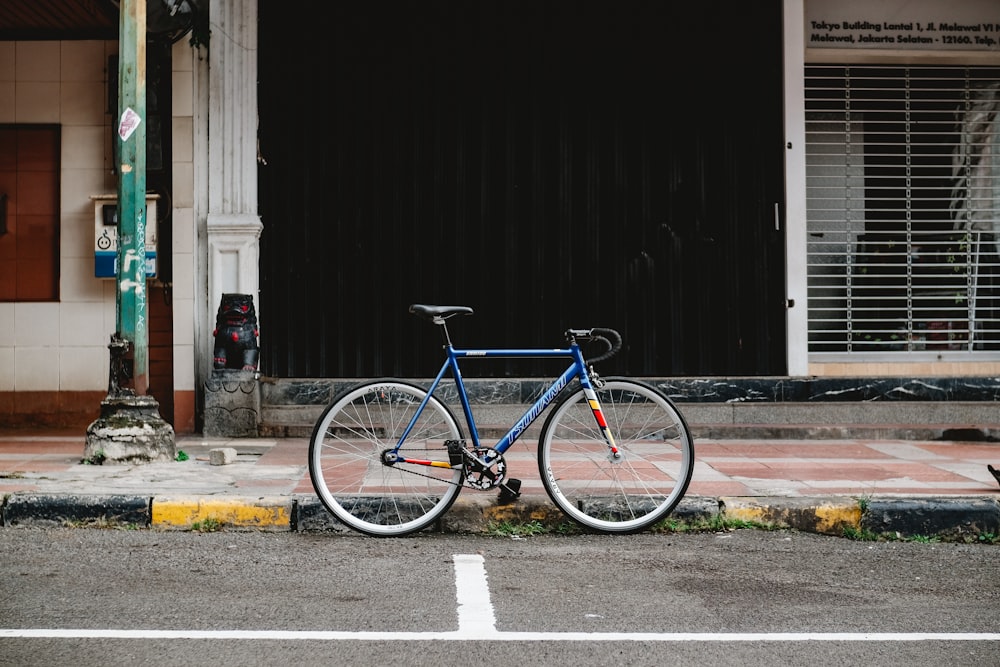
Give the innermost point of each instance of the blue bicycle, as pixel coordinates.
(388, 457)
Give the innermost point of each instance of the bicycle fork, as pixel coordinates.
(613, 453)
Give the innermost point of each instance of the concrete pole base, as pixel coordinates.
(129, 430)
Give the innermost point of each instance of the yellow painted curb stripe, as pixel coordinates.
(830, 517)
(233, 512)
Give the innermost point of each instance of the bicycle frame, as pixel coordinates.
(577, 369)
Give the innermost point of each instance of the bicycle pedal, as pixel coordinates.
(509, 491)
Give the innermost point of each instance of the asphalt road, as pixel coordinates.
(116, 597)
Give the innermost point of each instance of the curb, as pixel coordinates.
(188, 512)
(933, 517)
(30, 509)
(827, 516)
(951, 518)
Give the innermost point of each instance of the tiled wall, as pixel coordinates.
(184, 236)
(56, 354)
(62, 346)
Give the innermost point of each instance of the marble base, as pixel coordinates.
(232, 404)
(687, 390)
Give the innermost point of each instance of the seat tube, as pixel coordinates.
(463, 396)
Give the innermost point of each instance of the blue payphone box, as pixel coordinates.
(106, 235)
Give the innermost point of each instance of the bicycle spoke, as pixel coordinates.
(348, 471)
(627, 493)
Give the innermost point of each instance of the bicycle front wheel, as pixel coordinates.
(622, 494)
(362, 489)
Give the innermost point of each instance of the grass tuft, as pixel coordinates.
(207, 525)
(515, 529)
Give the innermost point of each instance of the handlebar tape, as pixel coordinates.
(611, 338)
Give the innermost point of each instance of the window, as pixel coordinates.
(29, 187)
(903, 210)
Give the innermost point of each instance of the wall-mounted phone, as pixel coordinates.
(106, 235)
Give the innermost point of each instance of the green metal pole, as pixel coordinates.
(130, 428)
(131, 141)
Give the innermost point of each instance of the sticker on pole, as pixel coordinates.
(130, 120)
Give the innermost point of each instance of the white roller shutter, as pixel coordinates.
(903, 211)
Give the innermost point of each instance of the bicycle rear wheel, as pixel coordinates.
(616, 495)
(347, 468)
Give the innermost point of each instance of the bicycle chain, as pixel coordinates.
(465, 469)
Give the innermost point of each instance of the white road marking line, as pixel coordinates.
(320, 635)
(475, 611)
(476, 621)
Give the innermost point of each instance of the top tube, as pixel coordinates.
(513, 352)
(576, 369)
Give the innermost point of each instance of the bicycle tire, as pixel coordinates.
(624, 495)
(346, 467)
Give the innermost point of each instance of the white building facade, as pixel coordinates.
(54, 359)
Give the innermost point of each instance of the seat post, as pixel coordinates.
(444, 330)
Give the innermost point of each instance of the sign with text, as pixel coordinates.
(929, 25)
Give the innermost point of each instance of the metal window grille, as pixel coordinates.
(903, 211)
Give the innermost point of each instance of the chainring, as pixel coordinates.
(483, 477)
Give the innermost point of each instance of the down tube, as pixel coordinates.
(543, 402)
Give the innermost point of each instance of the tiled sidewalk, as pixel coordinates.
(51, 463)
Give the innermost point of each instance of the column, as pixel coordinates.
(232, 398)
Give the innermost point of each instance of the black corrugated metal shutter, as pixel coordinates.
(551, 164)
